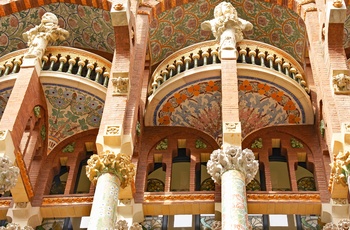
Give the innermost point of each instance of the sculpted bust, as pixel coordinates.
(226, 26)
(39, 36)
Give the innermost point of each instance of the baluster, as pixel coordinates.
(18, 63)
(81, 64)
(215, 55)
(106, 78)
(279, 64)
(8, 66)
(71, 62)
(53, 59)
(187, 62)
(252, 55)
(261, 55)
(159, 80)
(164, 74)
(63, 60)
(205, 56)
(286, 67)
(98, 71)
(293, 71)
(195, 59)
(2, 70)
(179, 64)
(299, 77)
(154, 86)
(171, 70)
(303, 83)
(90, 68)
(44, 60)
(270, 58)
(243, 53)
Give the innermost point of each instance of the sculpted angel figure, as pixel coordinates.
(39, 36)
(226, 26)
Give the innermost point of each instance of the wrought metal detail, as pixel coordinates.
(306, 184)
(155, 185)
(208, 185)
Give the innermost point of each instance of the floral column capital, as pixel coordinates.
(232, 158)
(109, 162)
(8, 174)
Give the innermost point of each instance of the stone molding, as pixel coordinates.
(109, 162)
(54, 201)
(8, 174)
(232, 158)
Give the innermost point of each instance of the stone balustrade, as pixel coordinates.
(259, 54)
(62, 59)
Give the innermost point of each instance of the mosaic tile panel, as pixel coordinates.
(180, 27)
(198, 104)
(4, 97)
(70, 111)
(88, 27)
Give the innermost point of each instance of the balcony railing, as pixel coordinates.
(206, 53)
(64, 60)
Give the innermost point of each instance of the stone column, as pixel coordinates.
(234, 168)
(111, 172)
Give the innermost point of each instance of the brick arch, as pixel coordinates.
(19, 5)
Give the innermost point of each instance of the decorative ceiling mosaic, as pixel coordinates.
(198, 104)
(70, 111)
(347, 28)
(4, 97)
(88, 27)
(180, 27)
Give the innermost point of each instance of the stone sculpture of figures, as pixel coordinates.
(226, 26)
(39, 36)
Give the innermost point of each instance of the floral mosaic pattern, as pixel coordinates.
(180, 27)
(4, 97)
(70, 111)
(198, 105)
(262, 104)
(88, 27)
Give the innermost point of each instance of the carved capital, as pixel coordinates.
(109, 162)
(341, 83)
(14, 226)
(8, 174)
(339, 168)
(120, 84)
(121, 225)
(232, 158)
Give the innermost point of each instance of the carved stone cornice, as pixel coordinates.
(8, 174)
(284, 197)
(5, 202)
(54, 201)
(232, 158)
(109, 162)
(179, 197)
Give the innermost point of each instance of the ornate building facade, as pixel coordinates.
(172, 114)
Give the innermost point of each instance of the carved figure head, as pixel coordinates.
(225, 9)
(49, 18)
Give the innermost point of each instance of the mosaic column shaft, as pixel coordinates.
(234, 201)
(233, 168)
(105, 202)
(111, 172)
